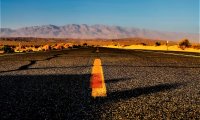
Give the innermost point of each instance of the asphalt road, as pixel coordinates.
(140, 85)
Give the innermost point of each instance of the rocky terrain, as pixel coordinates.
(85, 31)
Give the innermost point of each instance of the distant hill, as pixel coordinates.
(84, 31)
(44, 41)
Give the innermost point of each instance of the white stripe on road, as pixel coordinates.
(171, 53)
(181, 54)
(15, 54)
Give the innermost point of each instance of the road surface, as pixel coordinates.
(139, 85)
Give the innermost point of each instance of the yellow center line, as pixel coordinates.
(97, 82)
(97, 50)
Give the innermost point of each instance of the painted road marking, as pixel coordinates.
(97, 50)
(20, 53)
(171, 53)
(14, 54)
(97, 82)
(181, 54)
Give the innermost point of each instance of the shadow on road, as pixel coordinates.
(136, 92)
(141, 91)
(117, 80)
(44, 96)
(60, 96)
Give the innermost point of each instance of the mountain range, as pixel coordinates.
(84, 31)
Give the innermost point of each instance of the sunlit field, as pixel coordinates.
(162, 48)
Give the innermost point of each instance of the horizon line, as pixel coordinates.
(126, 27)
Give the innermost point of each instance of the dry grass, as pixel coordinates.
(196, 46)
(44, 41)
(126, 43)
(162, 47)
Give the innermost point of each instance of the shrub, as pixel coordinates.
(125, 45)
(1, 47)
(84, 44)
(76, 46)
(184, 44)
(37, 46)
(157, 44)
(196, 47)
(7, 49)
(144, 44)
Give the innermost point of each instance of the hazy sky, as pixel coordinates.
(164, 15)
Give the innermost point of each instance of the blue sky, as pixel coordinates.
(163, 15)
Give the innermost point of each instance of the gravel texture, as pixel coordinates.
(140, 85)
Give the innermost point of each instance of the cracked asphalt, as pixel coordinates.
(140, 85)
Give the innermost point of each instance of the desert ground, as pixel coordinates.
(160, 48)
(21, 44)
